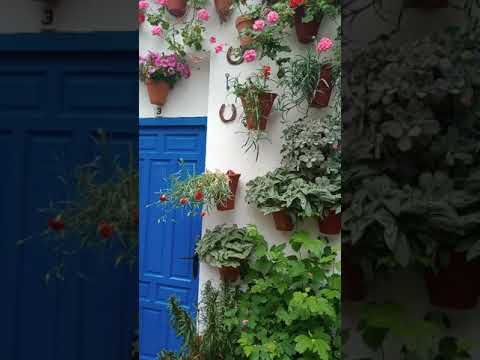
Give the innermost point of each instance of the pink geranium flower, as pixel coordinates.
(324, 44)
(143, 4)
(213, 39)
(258, 25)
(250, 55)
(218, 48)
(272, 17)
(203, 15)
(157, 30)
(161, 2)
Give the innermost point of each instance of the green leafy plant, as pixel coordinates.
(291, 306)
(283, 189)
(228, 246)
(181, 35)
(418, 338)
(316, 9)
(211, 335)
(196, 194)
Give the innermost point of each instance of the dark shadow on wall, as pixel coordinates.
(410, 171)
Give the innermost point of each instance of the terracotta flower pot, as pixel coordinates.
(265, 103)
(453, 286)
(224, 9)
(283, 221)
(330, 225)
(243, 23)
(353, 280)
(233, 183)
(229, 273)
(306, 32)
(321, 98)
(177, 8)
(158, 92)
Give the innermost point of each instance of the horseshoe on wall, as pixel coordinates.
(235, 55)
(221, 113)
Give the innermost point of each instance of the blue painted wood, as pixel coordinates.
(162, 271)
(50, 105)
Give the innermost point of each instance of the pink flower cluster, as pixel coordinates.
(157, 30)
(143, 5)
(324, 44)
(272, 17)
(218, 46)
(250, 55)
(258, 25)
(166, 66)
(203, 15)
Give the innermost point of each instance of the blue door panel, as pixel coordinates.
(165, 246)
(51, 104)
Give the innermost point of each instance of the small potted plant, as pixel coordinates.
(200, 193)
(161, 72)
(308, 15)
(227, 247)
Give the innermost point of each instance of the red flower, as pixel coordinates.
(105, 229)
(199, 196)
(56, 224)
(266, 71)
(295, 3)
(184, 201)
(163, 198)
(141, 18)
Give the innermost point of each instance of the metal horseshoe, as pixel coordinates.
(222, 111)
(235, 55)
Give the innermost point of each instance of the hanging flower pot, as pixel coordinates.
(243, 23)
(353, 280)
(321, 98)
(331, 224)
(306, 32)
(177, 8)
(454, 285)
(283, 221)
(224, 9)
(229, 273)
(257, 118)
(233, 184)
(158, 92)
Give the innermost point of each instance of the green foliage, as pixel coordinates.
(316, 9)
(291, 306)
(417, 338)
(411, 172)
(212, 336)
(283, 189)
(228, 246)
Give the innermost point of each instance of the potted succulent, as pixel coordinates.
(227, 247)
(308, 15)
(289, 197)
(161, 72)
(200, 193)
(257, 101)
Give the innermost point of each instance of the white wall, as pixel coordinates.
(71, 15)
(203, 94)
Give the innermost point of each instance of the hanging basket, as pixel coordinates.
(454, 286)
(283, 221)
(233, 184)
(306, 32)
(265, 104)
(158, 92)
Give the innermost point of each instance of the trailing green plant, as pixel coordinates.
(194, 193)
(290, 308)
(228, 246)
(282, 189)
(184, 34)
(102, 212)
(417, 338)
(211, 335)
(411, 170)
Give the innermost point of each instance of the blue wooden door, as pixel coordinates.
(51, 103)
(164, 271)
